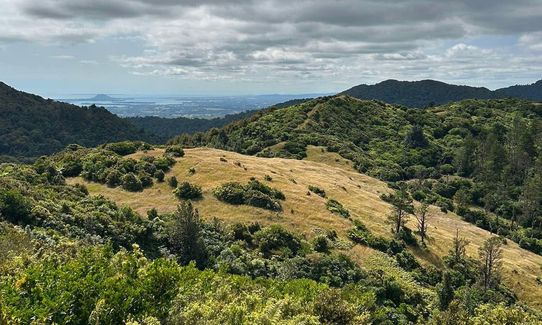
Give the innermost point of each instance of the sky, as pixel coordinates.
(237, 47)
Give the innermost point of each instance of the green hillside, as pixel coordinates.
(73, 250)
(31, 126)
(481, 158)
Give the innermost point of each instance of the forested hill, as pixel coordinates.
(476, 153)
(531, 92)
(31, 126)
(425, 93)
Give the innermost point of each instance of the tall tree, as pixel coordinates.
(185, 235)
(458, 253)
(490, 258)
(422, 215)
(402, 207)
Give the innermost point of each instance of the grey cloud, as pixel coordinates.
(206, 38)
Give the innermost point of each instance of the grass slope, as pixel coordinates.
(307, 213)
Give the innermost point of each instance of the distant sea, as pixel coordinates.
(176, 106)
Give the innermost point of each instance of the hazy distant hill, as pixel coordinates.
(31, 126)
(167, 128)
(425, 93)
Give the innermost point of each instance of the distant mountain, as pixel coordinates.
(102, 98)
(530, 92)
(417, 93)
(425, 93)
(31, 126)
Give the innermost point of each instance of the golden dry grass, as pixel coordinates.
(308, 215)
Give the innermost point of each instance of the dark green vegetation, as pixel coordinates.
(253, 193)
(67, 257)
(107, 165)
(425, 93)
(336, 207)
(31, 126)
(481, 158)
(187, 191)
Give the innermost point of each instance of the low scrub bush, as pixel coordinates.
(336, 207)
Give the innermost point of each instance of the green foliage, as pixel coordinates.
(131, 182)
(185, 237)
(95, 286)
(172, 181)
(175, 151)
(14, 207)
(33, 126)
(321, 244)
(187, 191)
(336, 207)
(317, 190)
(253, 193)
(275, 240)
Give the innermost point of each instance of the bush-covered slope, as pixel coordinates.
(480, 157)
(82, 253)
(31, 126)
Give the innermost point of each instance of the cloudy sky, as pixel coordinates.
(55, 47)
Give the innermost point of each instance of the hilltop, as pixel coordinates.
(31, 126)
(425, 93)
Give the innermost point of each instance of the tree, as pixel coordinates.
(422, 215)
(415, 138)
(445, 291)
(464, 158)
(458, 253)
(185, 237)
(490, 257)
(402, 207)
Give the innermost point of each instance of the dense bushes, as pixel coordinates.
(187, 191)
(253, 193)
(106, 166)
(14, 207)
(175, 151)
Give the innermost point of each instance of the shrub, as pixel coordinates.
(232, 193)
(254, 193)
(321, 244)
(146, 180)
(275, 240)
(131, 183)
(15, 207)
(113, 178)
(317, 190)
(159, 175)
(175, 151)
(122, 148)
(172, 181)
(336, 207)
(187, 191)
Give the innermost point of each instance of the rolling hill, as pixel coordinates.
(307, 214)
(425, 93)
